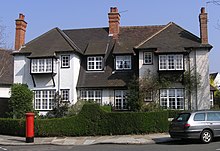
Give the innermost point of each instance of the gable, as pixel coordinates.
(171, 38)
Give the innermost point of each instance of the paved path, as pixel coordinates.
(88, 140)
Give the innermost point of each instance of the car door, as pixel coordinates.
(213, 120)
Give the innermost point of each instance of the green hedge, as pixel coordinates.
(92, 121)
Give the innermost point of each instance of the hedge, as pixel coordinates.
(92, 121)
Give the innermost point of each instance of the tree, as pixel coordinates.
(21, 101)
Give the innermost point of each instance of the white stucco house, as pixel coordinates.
(98, 63)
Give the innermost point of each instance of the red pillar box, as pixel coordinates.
(29, 127)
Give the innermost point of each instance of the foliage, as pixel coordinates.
(191, 81)
(151, 107)
(60, 108)
(21, 101)
(76, 108)
(92, 121)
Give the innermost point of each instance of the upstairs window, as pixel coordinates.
(94, 63)
(65, 61)
(42, 65)
(123, 62)
(170, 62)
(148, 58)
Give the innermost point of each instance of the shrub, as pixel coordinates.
(21, 101)
(93, 121)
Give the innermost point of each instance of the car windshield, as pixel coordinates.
(183, 117)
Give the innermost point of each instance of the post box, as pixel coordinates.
(29, 127)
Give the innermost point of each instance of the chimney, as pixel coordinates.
(203, 26)
(20, 31)
(114, 18)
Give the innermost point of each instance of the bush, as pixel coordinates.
(93, 121)
(21, 101)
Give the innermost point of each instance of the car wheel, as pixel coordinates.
(206, 136)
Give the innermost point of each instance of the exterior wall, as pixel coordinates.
(143, 69)
(217, 81)
(199, 65)
(5, 92)
(65, 78)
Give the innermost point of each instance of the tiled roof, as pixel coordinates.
(6, 67)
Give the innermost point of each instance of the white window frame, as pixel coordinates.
(44, 99)
(65, 95)
(211, 98)
(91, 95)
(148, 58)
(65, 61)
(166, 98)
(120, 100)
(123, 62)
(43, 65)
(94, 63)
(171, 62)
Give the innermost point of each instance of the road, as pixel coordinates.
(171, 146)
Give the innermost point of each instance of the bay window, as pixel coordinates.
(46, 65)
(172, 98)
(171, 62)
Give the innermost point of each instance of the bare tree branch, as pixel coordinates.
(216, 2)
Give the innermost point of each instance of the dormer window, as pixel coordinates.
(45, 65)
(123, 62)
(171, 62)
(94, 63)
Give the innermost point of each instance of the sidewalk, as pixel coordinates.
(88, 140)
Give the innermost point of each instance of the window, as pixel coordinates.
(44, 99)
(120, 100)
(172, 98)
(148, 96)
(42, 65)
(65, 95)
(148, 58)
(123, 62)
(94, 63)
(65, 61)
(171, 62)
(199, 117)
(211, 99)
(213, 116)
(91, 95)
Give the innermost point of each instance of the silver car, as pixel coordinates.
(203, 125)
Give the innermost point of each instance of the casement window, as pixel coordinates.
(94, 63)
(43, 65)
(170, 62)
(65, 94)
(44, 99)
(65, 61)
(148, 96)
(123, 62)
(211, 98)
(172, 98)
(120, 100)
(148, 58)
(91, 95)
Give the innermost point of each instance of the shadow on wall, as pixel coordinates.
(3, 107)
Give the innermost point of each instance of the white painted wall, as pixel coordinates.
(5, 92)
(65, 78)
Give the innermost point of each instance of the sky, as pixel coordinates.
(43, 15)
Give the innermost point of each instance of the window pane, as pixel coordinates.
(170, 61)
(65, 95)
(44, 100)
(163, 62)
(215, 116)
(94, 63)
(148, 58)
(123, 62)
(179, 62)
(199, 117)
(49, 65)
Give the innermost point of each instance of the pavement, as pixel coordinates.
(88, 140)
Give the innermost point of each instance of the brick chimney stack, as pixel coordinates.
(203, 26)
(114, 22)
(20, 31)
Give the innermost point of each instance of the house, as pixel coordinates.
(6, 79)
(216, 79)
(98, 63)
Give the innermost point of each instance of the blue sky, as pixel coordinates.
(43, 15)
